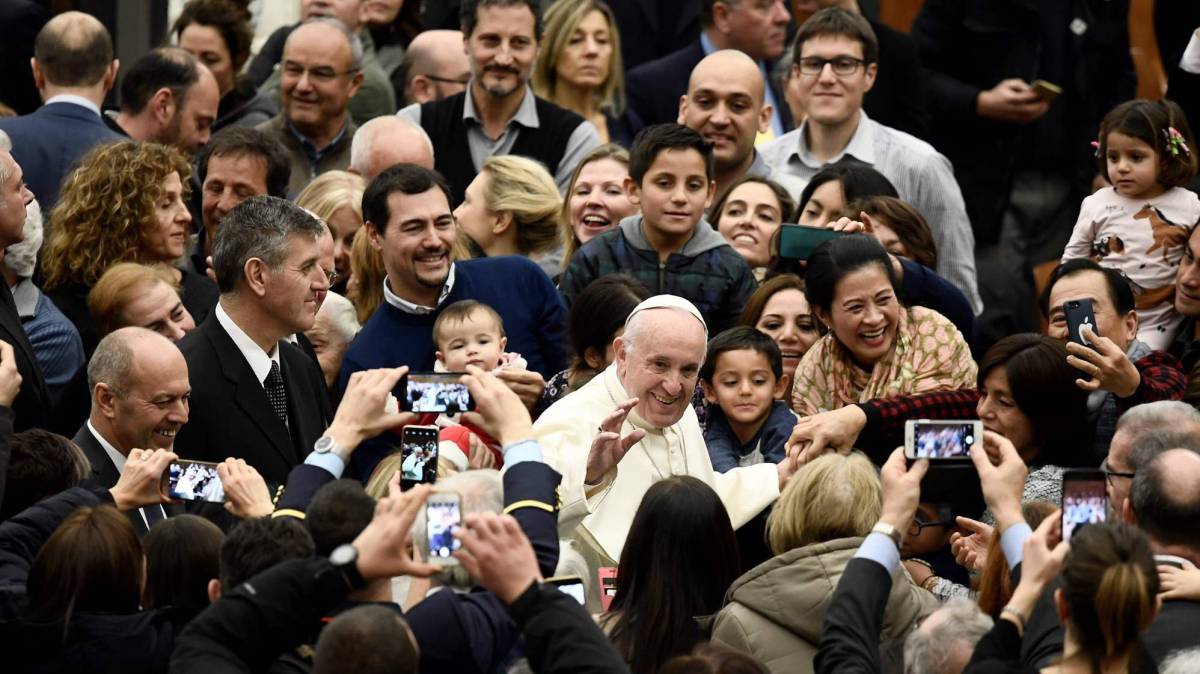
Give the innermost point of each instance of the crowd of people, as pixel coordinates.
(658, 289)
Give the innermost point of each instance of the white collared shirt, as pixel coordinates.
(418, 309)
(118, 460)
(76, 100)
(259, 360)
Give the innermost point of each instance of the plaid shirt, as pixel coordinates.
(1162, 379)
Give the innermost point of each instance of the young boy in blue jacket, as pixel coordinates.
(742, 378)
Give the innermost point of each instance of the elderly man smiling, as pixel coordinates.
(634, 425)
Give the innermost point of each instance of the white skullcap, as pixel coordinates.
(669, 302)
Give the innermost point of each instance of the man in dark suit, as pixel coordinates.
(74, 68)
(654, 88)
(32, 406)
(255, 395)
(1164, 502)
(139, 385)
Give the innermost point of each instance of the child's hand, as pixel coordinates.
(1175, 583)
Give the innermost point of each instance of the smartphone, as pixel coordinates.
(194, 481)
(1078, 314)
(443, 516)
(1047, 91)
(435, 392)
(1084, 499)
(608, 585)
(572, 585)
(797, 242)
(419, 456)
(941, 440)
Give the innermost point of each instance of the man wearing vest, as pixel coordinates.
(498, 113)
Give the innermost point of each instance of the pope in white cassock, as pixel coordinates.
(634, 425)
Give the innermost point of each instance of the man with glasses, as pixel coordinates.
(434, 67)
(834, 63)
(1144, 432)
(321, 71)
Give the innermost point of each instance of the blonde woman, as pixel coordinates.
(365, 287)
(596, 198)
(512, 208)
(775, 610)
(146, 296)
(579, 66)
(124, 203)
(336, 198)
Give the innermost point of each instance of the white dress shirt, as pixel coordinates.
(259, 360)
(412, 307)
(118, 460)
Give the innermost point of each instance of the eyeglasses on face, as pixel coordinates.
(842, 65)
(918, 525)
(448, 80)
(1110, 474)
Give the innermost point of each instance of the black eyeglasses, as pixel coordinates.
(1110, 474)
(842, 65)
(919, 525)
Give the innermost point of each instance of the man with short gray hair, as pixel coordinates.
(1143, 432)
(945, 640)
(386, 141)
(256, 395)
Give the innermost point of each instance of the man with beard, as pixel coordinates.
(498, 112)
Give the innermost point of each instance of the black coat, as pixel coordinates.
(104, 473)
(1176, 627)
(32, 406)
(231, 415)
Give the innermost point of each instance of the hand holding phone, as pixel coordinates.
(435, 392)
(443, 516)
(1047, 91)
(941, 440)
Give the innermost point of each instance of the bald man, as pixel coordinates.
(74, 68)
(435, 66)
(725, 104)
(386, 141)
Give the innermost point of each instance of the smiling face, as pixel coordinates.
(599, 201)
(998, 411)
(316, 82)
(1133, 167)
(165, 235)
(151, 412)
(826, 200)
(724, 104)
(787, 319)
(1090, 285)
(343, 224)
(415, 243)
(749, 220)
(586, 60)
(660, 366)
(229, 180)
(673, 195)
(744, 386)
(865, 314)
(473, 341)
(157, 307)
(1187, 279)
(831, 99)
(502, 50)
(206, 44)
(757, 27)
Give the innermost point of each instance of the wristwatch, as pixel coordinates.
(887, 530)
(345, 559)
(326, 444)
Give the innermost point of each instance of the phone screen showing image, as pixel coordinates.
(436, 392)
(571, 586)
(941, 440)
(419, 448)
(442, 519)
(1084, 500)
(194, 481)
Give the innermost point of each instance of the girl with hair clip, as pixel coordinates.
(1139, 226)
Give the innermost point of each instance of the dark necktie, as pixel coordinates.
(154, 514)
(275, 392)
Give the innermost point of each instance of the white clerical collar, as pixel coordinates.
(259, 360)
(419, 309)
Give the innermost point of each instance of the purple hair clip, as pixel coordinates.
(1176, 145)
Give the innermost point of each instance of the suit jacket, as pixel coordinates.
(49, 141)
(653, 89)
(32, 406)
(104, 473)
(231, 414)
(22, 21)
(898, 97)
(1174, 629)
(651, 29)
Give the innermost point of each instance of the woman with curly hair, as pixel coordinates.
(124, 203)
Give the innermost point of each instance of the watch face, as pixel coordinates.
(343, 554)
(323, 444)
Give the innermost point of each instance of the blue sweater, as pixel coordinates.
(726, 452)
(534, 321)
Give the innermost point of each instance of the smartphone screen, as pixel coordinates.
(608, 585)
(1084, 500)
(1078, 314)
(194, 481)
(443, 516)
(572, 585)
(940, 440)
(436, 392)
(419, 455)
(797, 242)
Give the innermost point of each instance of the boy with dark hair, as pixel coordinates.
(670, 247)
(742, 378)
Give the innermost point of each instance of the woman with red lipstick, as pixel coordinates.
(125, 203)
(877, 347)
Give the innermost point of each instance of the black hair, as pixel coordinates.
(653, 140)
(738, 338)
(337, 514)
(600, 311)
(837, 21)
(41, 465)
(1161, 513)
(403, 178)
(242, 141)
(1151, 122)
(166, 67)
(835, 259)
(255, 545)
(367, 639)
(1119, 291)
(68, 61)
(468, 14)
(858, 180)
(227, 18)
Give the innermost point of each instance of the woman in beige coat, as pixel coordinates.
(775, 611)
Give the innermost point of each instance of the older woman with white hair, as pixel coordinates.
(56, 342)
(331, 334)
